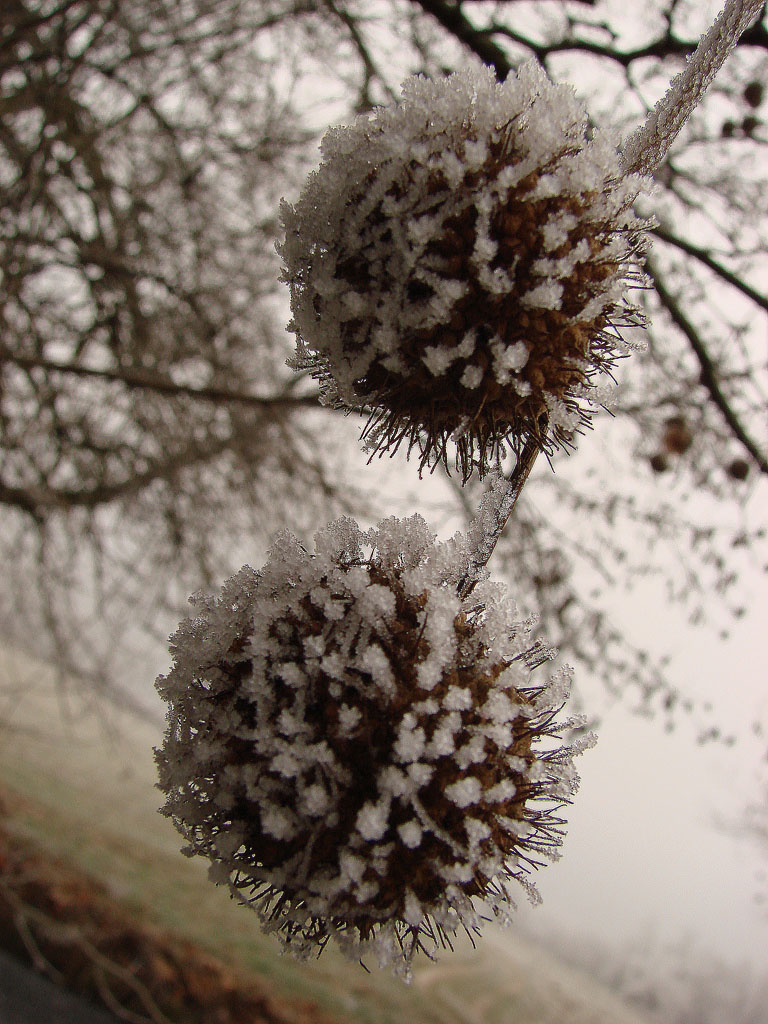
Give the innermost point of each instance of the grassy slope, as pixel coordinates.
(89, 782)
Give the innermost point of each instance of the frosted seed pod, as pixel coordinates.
(458, 263)
(345, 798)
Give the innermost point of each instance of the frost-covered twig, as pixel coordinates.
(492, 516)
(647, 147)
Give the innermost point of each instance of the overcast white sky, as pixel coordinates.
(649, 858)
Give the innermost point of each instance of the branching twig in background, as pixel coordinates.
(148, 380)
(452, 18)
(708, 374)
(707, 260)
(36, 928)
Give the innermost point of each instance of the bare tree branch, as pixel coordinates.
(709, 375)
(144, 380)
(481, 41)
(707, 260)
(452, 18)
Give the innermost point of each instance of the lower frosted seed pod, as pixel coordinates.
(361, 754)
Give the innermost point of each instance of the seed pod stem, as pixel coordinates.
(494, 513)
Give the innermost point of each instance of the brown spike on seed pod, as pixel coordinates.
(359, 751)
(457, 266)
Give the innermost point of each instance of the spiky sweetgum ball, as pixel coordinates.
(360, 753)
(458, 264)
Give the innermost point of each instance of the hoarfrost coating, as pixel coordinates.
(458, 264)
(362, 755)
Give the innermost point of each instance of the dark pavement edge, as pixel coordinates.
(27, 997)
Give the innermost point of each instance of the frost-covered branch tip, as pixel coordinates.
(646, 149)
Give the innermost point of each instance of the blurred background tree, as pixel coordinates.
(151, 435)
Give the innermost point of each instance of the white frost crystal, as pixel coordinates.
(335, 787)
(457, 264)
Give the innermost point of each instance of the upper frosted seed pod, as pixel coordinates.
(360, 753)
(458, 263)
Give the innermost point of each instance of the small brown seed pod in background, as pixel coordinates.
(753, 94)
(677, 437)
(738, 469)
(749, 124)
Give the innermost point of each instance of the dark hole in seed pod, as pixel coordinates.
(419, 291)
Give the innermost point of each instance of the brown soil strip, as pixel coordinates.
(69, 927)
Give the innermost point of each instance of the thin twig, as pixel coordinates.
(708, 374)
(498, 503)
(705, 257)
(145, 380)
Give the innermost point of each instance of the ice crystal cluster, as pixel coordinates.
(458, 265)
(362, 755)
